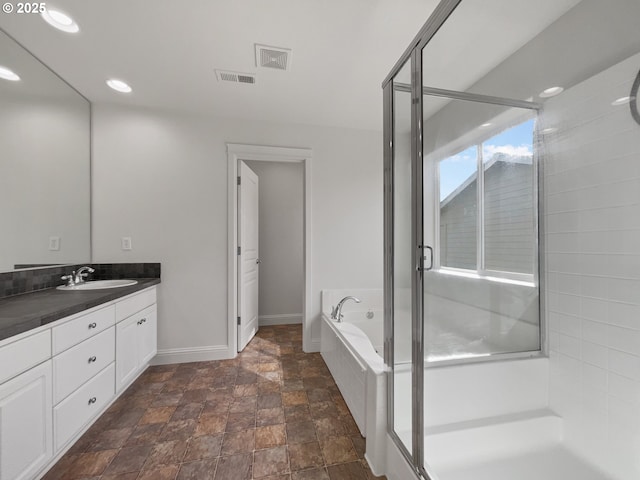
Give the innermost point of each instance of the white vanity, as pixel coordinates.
(55, 380)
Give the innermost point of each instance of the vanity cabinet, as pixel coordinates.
(25, 424)
(135, 345)
(55, 382)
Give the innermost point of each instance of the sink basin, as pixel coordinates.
(99, 284)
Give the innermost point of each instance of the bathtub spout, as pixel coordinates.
(336, 312)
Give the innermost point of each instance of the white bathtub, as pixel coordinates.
(352, 350)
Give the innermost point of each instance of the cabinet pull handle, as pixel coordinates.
(92, 359)
(140, 322)
(92, 400)
(93, 325)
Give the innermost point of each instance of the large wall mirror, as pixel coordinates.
(45, 199)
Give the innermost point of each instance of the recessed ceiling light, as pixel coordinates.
(60, 20)
(7, 74)
(621, 101)
(546, 131)
(119, 86)
(485, 125)
(551, 92)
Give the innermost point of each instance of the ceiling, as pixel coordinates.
(168, 50)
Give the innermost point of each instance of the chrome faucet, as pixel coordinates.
(76, 278)
(336, 312)
(80, 274)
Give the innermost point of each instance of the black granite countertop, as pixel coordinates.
(21, 313)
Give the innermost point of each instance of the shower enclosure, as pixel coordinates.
(512, 241)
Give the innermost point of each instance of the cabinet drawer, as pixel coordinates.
(79, 329)
(83, 405)
(78, 364)
(20, 356)
(131, 305)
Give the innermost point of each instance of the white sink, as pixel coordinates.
(99, 284)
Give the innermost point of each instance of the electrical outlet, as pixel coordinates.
(125, 243)
(54, 243)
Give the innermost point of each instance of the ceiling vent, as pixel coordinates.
(236, 77)
(273, 57)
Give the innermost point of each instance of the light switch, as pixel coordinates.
(54, 243)
(126, 243)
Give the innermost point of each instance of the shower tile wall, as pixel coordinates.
(592, 208)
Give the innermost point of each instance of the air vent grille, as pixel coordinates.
(235, 77)
(246, 79)
(273, 57)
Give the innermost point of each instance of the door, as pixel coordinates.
(147, 340)
(248, 260)
(126, 351)
(25, 424)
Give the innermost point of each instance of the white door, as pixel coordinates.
(126, 351)
(248, 260)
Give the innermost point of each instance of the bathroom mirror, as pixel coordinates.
(44, 164)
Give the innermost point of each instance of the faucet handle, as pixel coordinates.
(334, 312)
(69, 279)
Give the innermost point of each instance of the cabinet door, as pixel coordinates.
(127, 333)
(26, 424)
(147, 339)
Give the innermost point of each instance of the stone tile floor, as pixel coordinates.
(272, 413)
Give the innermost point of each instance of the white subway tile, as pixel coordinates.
(594, 286)
(594, 220)
(568, 304)
(624, 339)
(624, 315)
(624, 364)
(595, 354)
(624, 388)
(594, 377)
(563, 222)
(593, 242)
(594, 332)
(570, 346)
(623, 265)
(623, 290)
(595, 400)
(593, 263)
(623, 241)
(569, 284)
(594, 309)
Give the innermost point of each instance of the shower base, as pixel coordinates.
(523, 446)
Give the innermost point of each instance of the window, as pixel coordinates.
(487, 220)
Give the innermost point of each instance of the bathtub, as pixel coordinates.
(352, 350)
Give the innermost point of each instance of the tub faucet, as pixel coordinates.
(80, 274)
(336, 312)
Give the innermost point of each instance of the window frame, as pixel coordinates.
(480, 271)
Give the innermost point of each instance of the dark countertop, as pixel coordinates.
(21, 313)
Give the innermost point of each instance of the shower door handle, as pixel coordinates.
(421, 267)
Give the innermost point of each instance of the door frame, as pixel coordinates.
(235, 153)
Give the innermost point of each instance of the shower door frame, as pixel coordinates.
(414, 54)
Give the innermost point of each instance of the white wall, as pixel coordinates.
(280, 241)
(592, 197)
(161, 178)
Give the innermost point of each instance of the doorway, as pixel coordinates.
(244, 316)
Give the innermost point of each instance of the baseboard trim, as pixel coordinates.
(315, 345)
(283, 319)
(193, 354)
